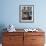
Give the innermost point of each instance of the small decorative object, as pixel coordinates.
(26, 13)
(11, 28)
(26, 30)
(31, 30)
(34, 30)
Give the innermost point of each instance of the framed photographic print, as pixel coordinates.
(26, 13)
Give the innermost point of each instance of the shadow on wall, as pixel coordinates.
(2, 26)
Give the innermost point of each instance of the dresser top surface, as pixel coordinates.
(22, 30)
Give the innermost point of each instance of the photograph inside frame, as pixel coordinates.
(26, 13)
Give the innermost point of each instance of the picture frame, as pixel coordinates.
(26, 13)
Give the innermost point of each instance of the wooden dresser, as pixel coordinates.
(23, 39)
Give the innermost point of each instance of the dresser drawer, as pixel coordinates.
(37, 44)
(34, 33)
(13, 33)
(13, 44)
(37, 39)
(12, 39)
